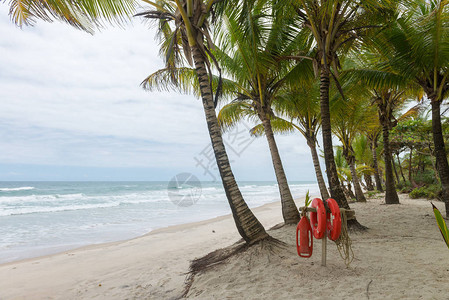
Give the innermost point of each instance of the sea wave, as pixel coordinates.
(23, 188)
(32, 210)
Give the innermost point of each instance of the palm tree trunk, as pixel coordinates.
(400, 168)
(410, 165)
(440, 152)
(375, 165)
(247, 224)
(395, 169)
(355, 181)
(289, 211)
(391, 197)
(331, 169)
(369, 182)
(350, 192)
(319, 175)
(326, 130)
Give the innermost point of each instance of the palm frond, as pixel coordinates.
(184, 80)
(231, 114)
(278, 125)
(82, 14)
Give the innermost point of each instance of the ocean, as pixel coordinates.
(40, 218)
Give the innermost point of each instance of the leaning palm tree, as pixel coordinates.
(254, 51)
(297, 109)
(184, 30)
(300, 105)
(188, 38)
(249, 53)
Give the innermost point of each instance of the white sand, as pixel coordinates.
(402, 256)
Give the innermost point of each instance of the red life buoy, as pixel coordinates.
(333, 220)
(305, 245)
(318, 218)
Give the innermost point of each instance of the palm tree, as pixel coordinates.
(373, 137)
(335, 26)
(254, 52)
(297, 109)
(349, 118)
(387, 100)
(344, 173)
(363, 155)
(191, 34)
(250, 55)
(416, 47)
(187, 40)
(301, 105)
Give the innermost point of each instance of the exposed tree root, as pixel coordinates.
(266, 246)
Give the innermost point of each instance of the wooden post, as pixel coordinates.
(324, 249)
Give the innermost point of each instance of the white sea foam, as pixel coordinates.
(23, 188)
(32, 210)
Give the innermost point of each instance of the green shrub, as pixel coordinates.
(418, 193)
(430, 192)
(371, 194)
(404, 187)
(427, 177)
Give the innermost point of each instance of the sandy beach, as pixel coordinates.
(401, 256)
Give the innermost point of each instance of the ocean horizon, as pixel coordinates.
(46, 217)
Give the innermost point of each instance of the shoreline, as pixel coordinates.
(136, 210)
(156, 261)
(160, 230)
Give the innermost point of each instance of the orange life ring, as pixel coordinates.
(333, 220)
(318, 218)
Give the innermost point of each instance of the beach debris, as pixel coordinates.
(367, 289)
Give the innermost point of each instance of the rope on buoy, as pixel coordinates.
(344, 243)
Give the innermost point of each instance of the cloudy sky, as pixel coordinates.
(71, 108)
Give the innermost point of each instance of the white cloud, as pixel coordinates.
(69, 98)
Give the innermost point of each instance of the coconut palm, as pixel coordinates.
(190, 33)
(301, 105)
(417, 48)
(363, 156)
(373, 137)
(344, 173)
(387, 100)
(335, 26)
(184, 30)
(297, 109)
(250, 52)
(349, 117)
(254, 52)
